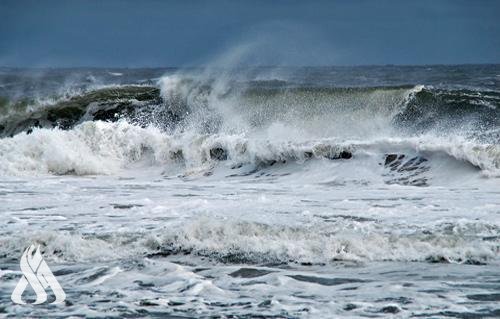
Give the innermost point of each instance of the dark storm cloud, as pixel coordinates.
(188, 32)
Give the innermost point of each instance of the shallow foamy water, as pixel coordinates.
(146, 243)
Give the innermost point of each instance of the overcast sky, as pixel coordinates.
(152, 33)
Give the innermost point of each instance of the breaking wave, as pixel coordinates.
(197, 121)
(210, 106)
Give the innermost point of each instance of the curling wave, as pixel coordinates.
(196, 121)
(210, 107)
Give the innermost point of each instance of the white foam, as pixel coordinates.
(106, 148)
(326, 242)
(90, 148)
(258, 242)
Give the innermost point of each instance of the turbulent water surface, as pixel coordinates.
(267, 192)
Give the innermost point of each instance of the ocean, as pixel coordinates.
(269, 192)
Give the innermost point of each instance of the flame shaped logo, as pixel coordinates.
(38, 275)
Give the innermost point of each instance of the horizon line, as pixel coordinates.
(247, 66)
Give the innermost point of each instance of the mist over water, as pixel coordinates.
(246, 191)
